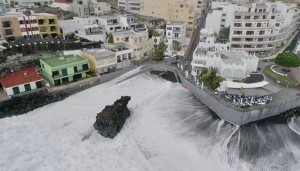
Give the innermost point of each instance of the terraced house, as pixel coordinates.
(64, 69)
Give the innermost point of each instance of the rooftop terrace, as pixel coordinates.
(63, 60)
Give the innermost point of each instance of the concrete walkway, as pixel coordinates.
(282, 48)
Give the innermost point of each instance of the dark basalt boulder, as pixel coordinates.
(111, 119)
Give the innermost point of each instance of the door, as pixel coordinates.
(75, 69)
(64, 72)
(16, 90)
(27, 87)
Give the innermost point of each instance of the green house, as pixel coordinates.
(64, 69)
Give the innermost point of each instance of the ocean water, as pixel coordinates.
(168, 129)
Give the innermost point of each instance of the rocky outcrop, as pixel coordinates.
(111, 119)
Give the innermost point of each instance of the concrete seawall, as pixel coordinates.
(229, 113)
(224, 110)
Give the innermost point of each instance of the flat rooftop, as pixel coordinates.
(233, 57)
(175, 23)
(63, 60)
(100, 53)
(125, 33)
(107, 17)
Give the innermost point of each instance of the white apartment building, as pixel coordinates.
(256, 28)
(134, 6)
(158, 38)
(221, 15)
(83, 27)
(138, 41)
(128, 22)
(175, 32)
(29, 26)
(207, 42)
(263, 28)
(109, 23)
(229, 64)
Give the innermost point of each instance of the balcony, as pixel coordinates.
(51, 21)
(41, 22)
(177, 31)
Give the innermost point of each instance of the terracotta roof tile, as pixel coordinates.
(20, 77)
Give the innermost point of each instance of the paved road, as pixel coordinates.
(195, 38)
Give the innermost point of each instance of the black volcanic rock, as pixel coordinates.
(111, 119)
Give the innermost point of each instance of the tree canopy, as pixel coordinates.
(288, 60)
(110, 38)
(224, 34)
(160, 50)
(177, 46)
(210, 79)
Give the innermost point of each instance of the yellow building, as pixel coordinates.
(101, 60)
(175, 10)
(138, 41)
(182, 11)
(48, 25)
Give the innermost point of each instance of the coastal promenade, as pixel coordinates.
(225, 110)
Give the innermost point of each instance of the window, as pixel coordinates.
(65, 80)
(261, 32)
(75, 69)
(248, 24)
(273, 17)
(223, 14)
(16, 90)
(38, 84)
(256, 17)
(54, 73)
(181, 6)
(258, 24)
(223, 20)
(247, 17)
(111, 28)
(260, 39)
(237, 24)
(238, 32)
(237, 17)
(85, 67)
(222, 25)
(77, 77)
(64, 72)
(42, 65)
(277, 24)
(249, 32)
(27, 87)
(129, 55)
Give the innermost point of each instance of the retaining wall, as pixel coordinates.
(229, 113)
